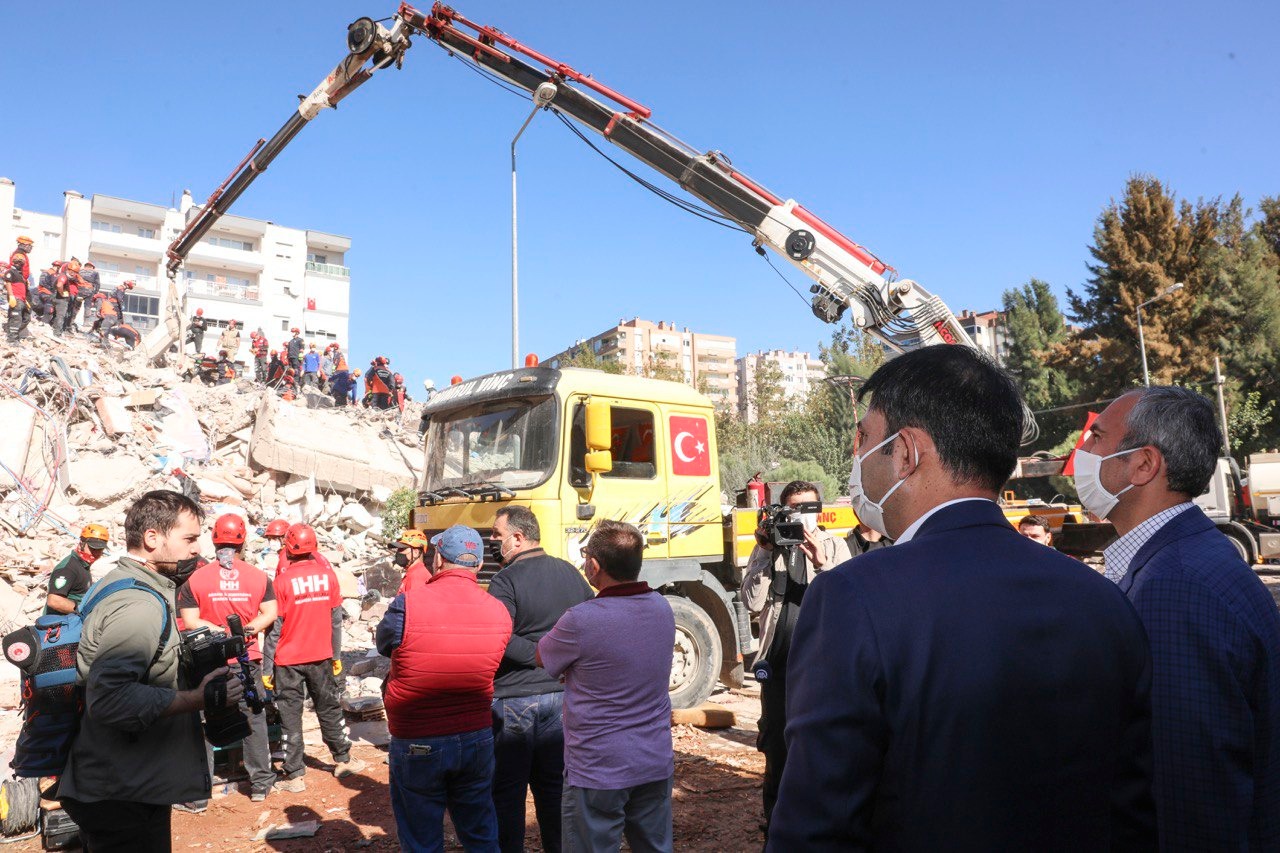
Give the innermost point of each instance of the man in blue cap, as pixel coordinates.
(445, 639)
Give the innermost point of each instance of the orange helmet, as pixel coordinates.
(26, 241)
(199, 312)
(300, 539)
(95, 536)
(228, 530)
(279, 527)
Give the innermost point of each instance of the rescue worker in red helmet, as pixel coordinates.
(258, 346)
(196, 329)
(379, 384)
(225, 587)
(66, 295)
(70, 579)
(399, 391)
(108, 315)
(293, 350)
(17, 285)
(125, 332)
(306, 656)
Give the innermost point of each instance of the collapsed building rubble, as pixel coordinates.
(85, 431)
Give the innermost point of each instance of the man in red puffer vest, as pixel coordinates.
(445, 639)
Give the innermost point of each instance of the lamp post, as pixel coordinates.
(1142, 340)
(542, 96)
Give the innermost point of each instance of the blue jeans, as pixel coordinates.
(430, 773)
(528, 749)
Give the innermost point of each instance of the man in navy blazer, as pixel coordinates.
(1214, 629)
(966, 689)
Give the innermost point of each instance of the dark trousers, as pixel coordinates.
(61, 306)
(16, 322)
(73, 308)
(528, 751)
(107, 826)
(105, 325)
(310, 379)
(197, 338)
(431, 773)
(597, 820)
(260, 368)
(318, 681)
(256, 748)
(42, 305)
(773, 719)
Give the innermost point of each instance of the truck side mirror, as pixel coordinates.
(599, 429)
(599, 462)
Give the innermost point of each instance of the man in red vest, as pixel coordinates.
(445, 639)
(306, 656)
(220, 589)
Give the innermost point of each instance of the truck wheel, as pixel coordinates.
(695, 658)
(1242, 547)
(19, 806)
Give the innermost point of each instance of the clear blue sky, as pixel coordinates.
(970, 145)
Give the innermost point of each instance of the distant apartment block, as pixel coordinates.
(989, 331)
(705, 361)
(801, 372)
(262, 275)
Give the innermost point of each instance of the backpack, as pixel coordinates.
(52, 702)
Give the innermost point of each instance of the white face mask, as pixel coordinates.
(871, 513)
(809, 520)
(1088, 478)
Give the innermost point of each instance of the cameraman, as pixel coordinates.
(773, 586)
(140, 748)
(229, 586)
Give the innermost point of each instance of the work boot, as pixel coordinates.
(292, 786)
(193, 807)
(350, 767)
(257, 795)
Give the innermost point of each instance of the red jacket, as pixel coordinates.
(219, 593)
(441, 680)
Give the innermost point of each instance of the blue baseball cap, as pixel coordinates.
(460, 545)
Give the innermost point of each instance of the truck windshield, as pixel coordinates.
(510, 443)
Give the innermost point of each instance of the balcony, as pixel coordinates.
(111, 279)
(207, 254)
(331, 270)
(224, 290)
(125, 244)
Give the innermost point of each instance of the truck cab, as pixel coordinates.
(576, 446)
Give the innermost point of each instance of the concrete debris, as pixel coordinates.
(87, 431)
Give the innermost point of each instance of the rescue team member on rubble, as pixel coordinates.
(445, 639)
(91, 285)
(773, 585)
(140, 748)
(305, 653)
(342, 387)
(66, 290)
(528, 704)
(275, 371)
(196, 329)
(17, 284)
(123, 331)
(70, 579)
(108, 315)
(614, 652)
(42, 303)
(1213, 627)
(410, 549)
(272, 555)
(311, 368)
(293, 350)
(229, 340)
(230, 586)
(378, 384)
(259, 348)
(964, 689)
(1036, 528)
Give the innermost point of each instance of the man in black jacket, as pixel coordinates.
(528, 735)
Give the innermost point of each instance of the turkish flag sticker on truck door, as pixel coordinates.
(690, 449)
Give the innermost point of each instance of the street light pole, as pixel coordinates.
(543, 96)
(1142, 341)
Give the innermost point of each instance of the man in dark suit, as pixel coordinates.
(1213, 628)
(966, 689)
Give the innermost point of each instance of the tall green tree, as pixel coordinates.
(1036, 328)
(1269, 226)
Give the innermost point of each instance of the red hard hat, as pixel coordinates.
(294, 330)
(199, 312)
(399, 378)
(129, 285)
(228, 530)
(300, 539)
(279, 527)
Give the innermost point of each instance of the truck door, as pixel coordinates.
(634, 491)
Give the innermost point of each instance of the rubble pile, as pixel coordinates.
(84, 431)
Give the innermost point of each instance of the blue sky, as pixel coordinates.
(970, 145)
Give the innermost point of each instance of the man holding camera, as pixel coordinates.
(231, 587)
(773, 585)
(140, 748)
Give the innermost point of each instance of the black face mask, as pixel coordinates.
(184, 570)
(402, 559)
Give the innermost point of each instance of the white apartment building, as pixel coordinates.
(989, 331)
(801, 372)
(262, 275)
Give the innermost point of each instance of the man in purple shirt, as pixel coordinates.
(614, 652)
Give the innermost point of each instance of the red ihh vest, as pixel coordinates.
(221, 592)
(306, 594)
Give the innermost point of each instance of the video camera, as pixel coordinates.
(204, 651)
(783, 524)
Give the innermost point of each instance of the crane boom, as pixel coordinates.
(844, 275)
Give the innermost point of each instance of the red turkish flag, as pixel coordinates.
(690, 449)
(1070, 468)
(311, 305)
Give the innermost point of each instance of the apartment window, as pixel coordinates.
(142, 312)
(103, 225)
(50, 240)
(317, 258)
(230, 243)
(146, 233)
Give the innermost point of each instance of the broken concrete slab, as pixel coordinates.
(343, 455)
(100, 480)
(19, 421)
(116, 419)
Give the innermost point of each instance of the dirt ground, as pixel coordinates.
(716, 800)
